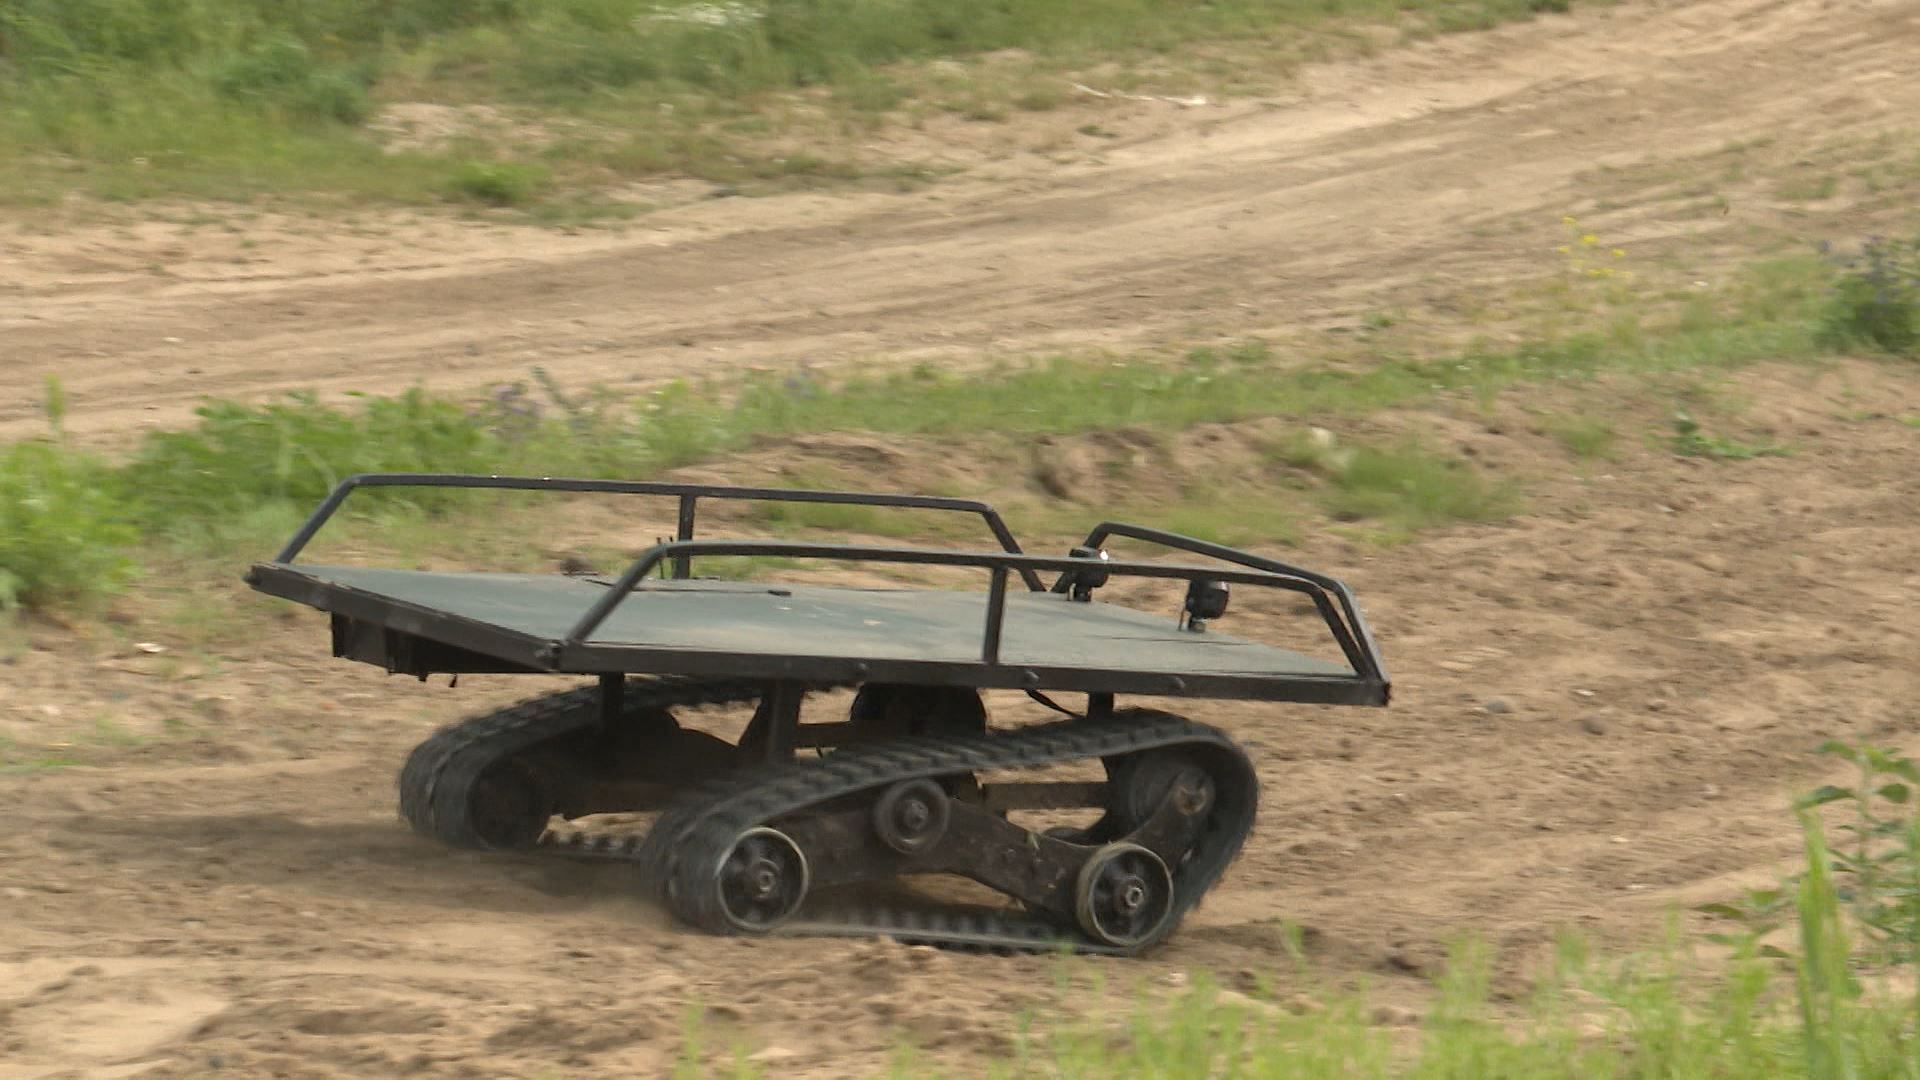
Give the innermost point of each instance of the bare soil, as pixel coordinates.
(1600, 708)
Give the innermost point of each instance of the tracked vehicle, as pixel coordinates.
(816, 826)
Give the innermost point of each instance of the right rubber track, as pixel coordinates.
(685, 844)
(684, 848)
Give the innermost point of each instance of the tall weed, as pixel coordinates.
(63, 533)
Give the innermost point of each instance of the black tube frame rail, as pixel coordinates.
(1332, 599)
(1355, 641)
(1355, 637)
(688, 494)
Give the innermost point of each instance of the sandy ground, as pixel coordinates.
(1601, 707)
(1601, 710)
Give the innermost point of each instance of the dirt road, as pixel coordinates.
(1390, 183)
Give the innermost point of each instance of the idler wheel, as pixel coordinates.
(761, 880)
(508, 806)
(1143, 781)
(1124, 895)
(911, 816)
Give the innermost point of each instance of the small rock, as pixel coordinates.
(1455, 665)
(1592, 725)
(171, 340)
(1496, 707)
(1401, 960)
(1395, 1016)
(1657, 705)
(194, 924)
(14, 892)
(1583, 693)
(773, 1053)
(1618, 840)
(149, 647)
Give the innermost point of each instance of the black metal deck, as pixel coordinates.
(1032, 639)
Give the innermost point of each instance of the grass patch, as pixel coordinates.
(1837, 1003)
(1584, 437)
(1875, 302)
(229, 98)
(1408, 487)
(62, 539)
(499, 183)
(1691, 440)
(244, 474)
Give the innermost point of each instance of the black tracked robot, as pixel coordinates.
(753, 833)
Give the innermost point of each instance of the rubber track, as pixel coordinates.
(685, 846)
(437, 780)
(688, 839)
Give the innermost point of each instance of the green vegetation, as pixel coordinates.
(1876, 299)
(230, 98)
(1840, 1004)
(1410, 487)
(61, 537)
(1690, 440)
(245, 474)
(1584, 437)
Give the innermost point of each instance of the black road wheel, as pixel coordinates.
(911, 816)
(1124, 895)
(508, 806)
(1141, 782)
(761, 880)
(890, 710)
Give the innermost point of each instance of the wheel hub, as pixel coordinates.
(911, 816)
(1124, 895)
(761, 880)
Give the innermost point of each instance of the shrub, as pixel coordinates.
(282, 73)
(1876, 299)
(242, 457)
(498, 183)
(63, 534)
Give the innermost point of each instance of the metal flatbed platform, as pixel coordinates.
(916, 780)
(1039, 638)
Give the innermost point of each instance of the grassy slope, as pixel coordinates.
(224, 99)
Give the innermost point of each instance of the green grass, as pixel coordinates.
(1691, 440)
(240, 477)
(1583, 436)
(233, 98)
(1409, 487)
(1836, 1004)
